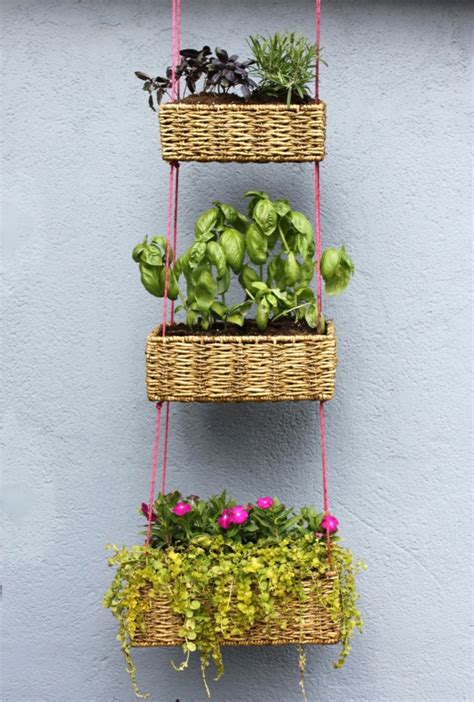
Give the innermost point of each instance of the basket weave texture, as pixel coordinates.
(211, 368)
(243, 132)
(307, 622)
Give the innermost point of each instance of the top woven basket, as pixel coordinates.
(247, 132)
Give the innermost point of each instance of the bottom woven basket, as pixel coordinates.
(251, 368)
(307, 622)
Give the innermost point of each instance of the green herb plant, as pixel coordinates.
(224, 578)
(269, 252)
(285, 64)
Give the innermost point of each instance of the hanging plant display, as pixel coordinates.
(217, 573)
(255, 110)
(287, 351)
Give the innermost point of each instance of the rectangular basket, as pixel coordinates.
(211, 368)
(243, 132)
(306, 622)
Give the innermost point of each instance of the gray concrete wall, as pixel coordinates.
(83, 182)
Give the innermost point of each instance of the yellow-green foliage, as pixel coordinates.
(221, 588)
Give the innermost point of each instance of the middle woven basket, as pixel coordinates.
(245, 132)
(210, 368)
(300, 622)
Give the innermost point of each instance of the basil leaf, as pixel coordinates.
(263, 313)
(151, 279)
(206, 221)
(265, 215)
(205, 291)
(292, 269)
(257, 246)
(233, 244)
(301, 223)
(248, 276)
(311, 315)
(237, 319)
(217, 257)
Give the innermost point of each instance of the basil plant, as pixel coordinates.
(269, 253)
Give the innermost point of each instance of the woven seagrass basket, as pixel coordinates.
(307, 622)
(211, 368)
(243, 132)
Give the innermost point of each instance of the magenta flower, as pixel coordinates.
(145, 511)
(181, 508)
(330, 523)
(225, 519)
(265, 502)
(239, 514)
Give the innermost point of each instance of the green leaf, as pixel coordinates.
(219, 308)
(136, 253)
(292, 269)
(329, 263)
(237, 319)
(265, 215)
(206, 221)
(230, 213)
(248, 276)
(191, 318)
(263, 313)
(217, 257)
(152, 256)
(301, 223)
(233, 244)
(151, 279)
(257, 246)
(311, 315)
(223, 282)
(205, 291)
(256, 193)
(282, 207)
(173, 288)
(196, 254)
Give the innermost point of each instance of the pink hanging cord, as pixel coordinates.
(319, 296)
(171, 231)
(153, 472)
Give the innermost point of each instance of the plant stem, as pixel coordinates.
(284, 241)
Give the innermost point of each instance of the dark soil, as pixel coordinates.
(280, 328)
(211, 99)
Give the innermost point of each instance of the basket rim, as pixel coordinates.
(244, 107)
(155, 334)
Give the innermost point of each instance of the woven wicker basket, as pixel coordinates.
(307, 622)
(241, 368)
(243, 132)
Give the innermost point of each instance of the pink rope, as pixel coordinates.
(168, 244)
(175, 225)
(319, 295)
(171, 230)
(318, 43)
(153, 472)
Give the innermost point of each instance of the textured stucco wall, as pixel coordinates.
(83, 181)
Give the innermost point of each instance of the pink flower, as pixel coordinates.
(225, 519)
(181, 508)
(330, 523)
(145, 511)
(239, 514)
(265, 502)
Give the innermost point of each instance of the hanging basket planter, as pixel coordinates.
(247, 132)
(299, 622)
(212, 368)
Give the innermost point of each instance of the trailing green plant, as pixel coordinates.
(285, 64)
(270, 252)
(226, 568)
